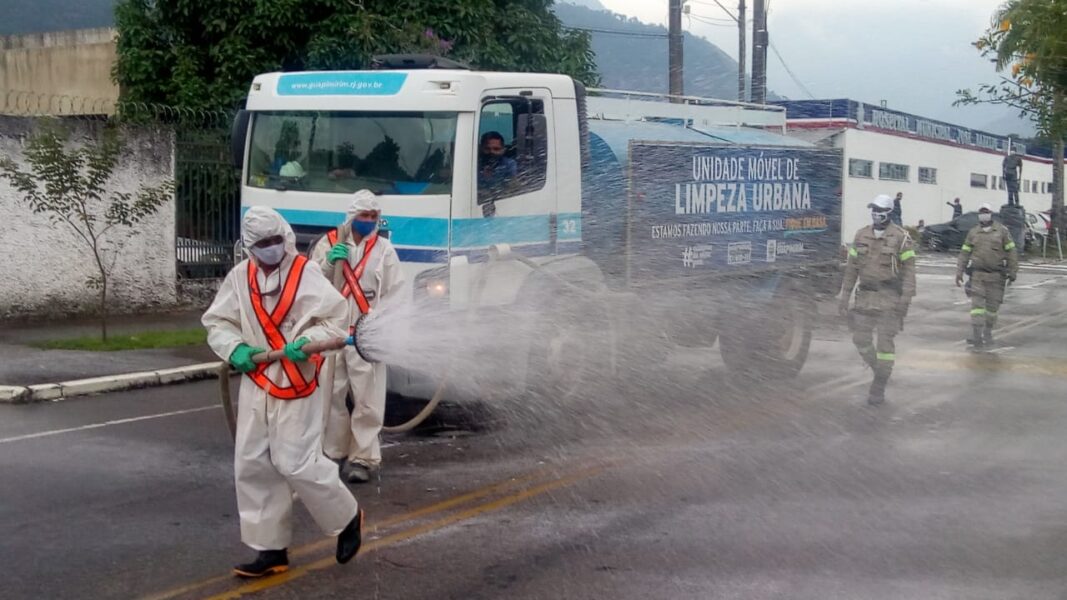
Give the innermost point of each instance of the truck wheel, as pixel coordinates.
(774, 347)
(571, 350)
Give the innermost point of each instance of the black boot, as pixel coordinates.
(976, 339)
(351, 538)
(268, 562)
(987, 336)
(877, 393)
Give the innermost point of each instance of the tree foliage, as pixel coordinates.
(68, 184)
(203, 53)
(1027, 41)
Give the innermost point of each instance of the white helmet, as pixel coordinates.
(986, 207)
(881, 202)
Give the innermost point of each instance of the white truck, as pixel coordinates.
(666, 202)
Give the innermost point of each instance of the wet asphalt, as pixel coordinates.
(684, 483)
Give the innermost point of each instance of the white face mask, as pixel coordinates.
(269, 255)
(880, 219)
(986, 219)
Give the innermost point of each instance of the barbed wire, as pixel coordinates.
(20, 103)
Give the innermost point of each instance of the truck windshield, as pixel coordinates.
(341, 152)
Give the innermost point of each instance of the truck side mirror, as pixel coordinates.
(238, 135)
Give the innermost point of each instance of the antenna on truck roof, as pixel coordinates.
(414, 61)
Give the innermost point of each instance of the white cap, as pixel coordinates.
(881, 202)
(363, 200)
(985, 206)
(292, 169)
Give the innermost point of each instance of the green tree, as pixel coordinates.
(1027, 41)
(203, 54)
(69, 184)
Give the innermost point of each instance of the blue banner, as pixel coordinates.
(328, 83)
(701, 209)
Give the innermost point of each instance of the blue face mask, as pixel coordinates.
(363, 228)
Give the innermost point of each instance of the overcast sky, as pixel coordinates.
(914, 54)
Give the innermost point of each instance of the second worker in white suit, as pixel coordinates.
(373, 278)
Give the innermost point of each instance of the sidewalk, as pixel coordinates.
(22, 365)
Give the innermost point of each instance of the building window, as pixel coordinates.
(1000, 184)
(1026, 186)
(993, 182)
(979, 180)
(927, 175)
(892, 172)
(860, 168)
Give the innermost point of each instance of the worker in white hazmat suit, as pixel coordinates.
(372, 278)
(279, 300)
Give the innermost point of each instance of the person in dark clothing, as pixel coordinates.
(957, 208)
(897, 216)
(1012, 168)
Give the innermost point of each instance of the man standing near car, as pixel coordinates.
(1012, 169)
(957, 208)
(882, 260)
(989, 255)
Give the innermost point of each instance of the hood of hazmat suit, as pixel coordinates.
(278, 446)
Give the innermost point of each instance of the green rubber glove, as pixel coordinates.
(241, 357)
(293, 350)
(338, 252)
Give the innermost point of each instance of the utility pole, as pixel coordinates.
(741, 50)
(674, 48)
(760, 40)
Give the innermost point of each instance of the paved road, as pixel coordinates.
(688, 485)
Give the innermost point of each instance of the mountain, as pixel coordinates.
(632, 55)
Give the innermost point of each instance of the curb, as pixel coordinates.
(53, 392)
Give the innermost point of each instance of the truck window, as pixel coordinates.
(341, 152)
(513, 148)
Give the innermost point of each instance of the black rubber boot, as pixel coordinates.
(268, 562)
(976, 338)
(877, 393)
(351, 539)
(987, 336)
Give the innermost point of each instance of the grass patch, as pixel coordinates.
(137, 341)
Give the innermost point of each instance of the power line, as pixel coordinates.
(619, 32)
(719, 4)
(795, 79)
(711, 23)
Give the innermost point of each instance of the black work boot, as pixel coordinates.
(268, 562)
(354, 472)
(351, 538)
(987, 336)
(976, 338)
(877, 393)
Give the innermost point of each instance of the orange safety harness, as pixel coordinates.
(269, 322)
(352, 276)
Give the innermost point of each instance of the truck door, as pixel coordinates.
(514, 197)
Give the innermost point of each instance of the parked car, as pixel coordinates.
(950, 236)
(1038, 227)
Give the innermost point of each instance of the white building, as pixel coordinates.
(930, 162)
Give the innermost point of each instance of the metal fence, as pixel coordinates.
(207, 190)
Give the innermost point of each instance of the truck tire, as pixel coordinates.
(571, 349)
(773, 347)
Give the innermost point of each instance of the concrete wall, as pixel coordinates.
(923, 200)
(74, 64)
(45, 267)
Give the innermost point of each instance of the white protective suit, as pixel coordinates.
(279, 442)
(355, 436)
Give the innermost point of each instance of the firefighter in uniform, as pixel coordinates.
(882, 260)
(989, 255)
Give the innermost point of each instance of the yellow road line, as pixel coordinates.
(501, 503)
(388, 522)
(959, 361)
